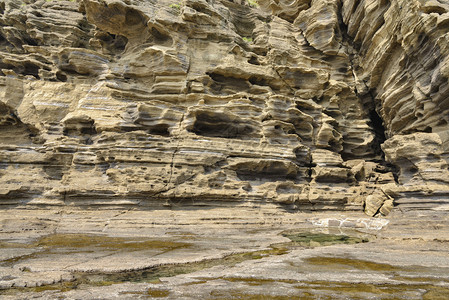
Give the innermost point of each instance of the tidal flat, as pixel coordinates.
(295, 258)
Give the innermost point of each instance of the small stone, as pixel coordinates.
(386, 208)
(373, 203)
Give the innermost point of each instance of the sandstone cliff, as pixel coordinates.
(309, 104)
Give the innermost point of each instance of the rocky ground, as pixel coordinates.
(218, 254)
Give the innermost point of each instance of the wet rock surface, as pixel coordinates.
(109, 256)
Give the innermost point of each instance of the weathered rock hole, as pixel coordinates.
(432, 157)
(84, 25)
(161, 129)
(61, 76)
(200, 8)
(219, 125)
(268, 171)
(257, 81)
(120, 42)
(223, 83)
(112, 42)
(83, 127)
(37, 14)
(254, 61)
(31, 42)
(3, 41)
(133, 17)
(159, 36)
(88, 130)
(442, 122)
(413, 169)
(26, 69)
(285, 189)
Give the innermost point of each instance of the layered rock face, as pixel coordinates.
(320, 104)
(402, 65)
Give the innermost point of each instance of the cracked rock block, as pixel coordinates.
(378, 204)
(307, 104)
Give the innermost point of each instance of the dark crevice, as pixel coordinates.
(160, 129)
(378, 126)
(30, 41)
(27, 68)
(265, 171)
(261, 176)
(258, 81)
(113, 43)
(370, 105)
(31, 69)
(254, 61)
(219, 125)
(61, 76)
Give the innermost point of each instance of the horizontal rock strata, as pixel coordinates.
(195, 103)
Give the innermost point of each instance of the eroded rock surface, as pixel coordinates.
(215, 253)
(209, 103)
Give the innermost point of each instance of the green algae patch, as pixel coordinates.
(151, 293)
(55, 241)
(152, 275)
(377, 291)
(6, 245)
(311, 239)
(349, 263)
(436, 293)
(157, 293)
(244, 295)
(84, 243)
(59, 287)
(11, 261)
(43, 288)
(254, 281)
(426, 279)
(331, 290)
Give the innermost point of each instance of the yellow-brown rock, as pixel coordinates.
(147, 104)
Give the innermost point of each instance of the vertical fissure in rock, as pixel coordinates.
(377, 125)
(367, 98)
(369, 105)
(378, 128)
